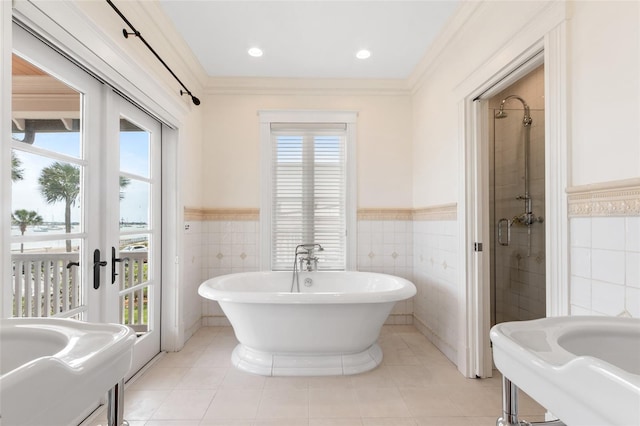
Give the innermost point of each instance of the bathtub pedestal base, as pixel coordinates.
(291, 364)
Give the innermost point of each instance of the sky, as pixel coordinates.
(134, 155)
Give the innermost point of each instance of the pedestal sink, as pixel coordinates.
(585, 370)
(53, 370)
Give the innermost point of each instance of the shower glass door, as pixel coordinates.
(518, 249)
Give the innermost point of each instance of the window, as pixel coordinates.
(307, 196)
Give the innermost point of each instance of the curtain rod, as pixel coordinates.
(136, 33)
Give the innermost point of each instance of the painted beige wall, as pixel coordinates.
(231, 148)
(605, 91)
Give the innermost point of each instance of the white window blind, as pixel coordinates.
(308, 192)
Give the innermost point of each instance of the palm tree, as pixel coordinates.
(24, 218)
(16, 171)
(124, 182)
(61, 182)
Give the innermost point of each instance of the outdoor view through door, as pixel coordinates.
(86, 186)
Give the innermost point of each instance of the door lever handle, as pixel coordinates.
(96, 268)
(115, 260)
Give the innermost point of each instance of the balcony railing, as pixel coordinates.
(49, 284)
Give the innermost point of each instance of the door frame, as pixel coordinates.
(548, 36)
(52, 20)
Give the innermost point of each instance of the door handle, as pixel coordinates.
(97, 263)
(70, 264)
(114, 260)
(500, 223)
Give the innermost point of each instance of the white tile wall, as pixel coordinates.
(233, 246)
(192, 264)
(386, 246)
(605, 266)
(227, 247)
(435, 274)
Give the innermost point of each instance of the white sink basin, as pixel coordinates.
(585, 370)
(53, 370)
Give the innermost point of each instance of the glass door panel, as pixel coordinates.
(50, 237)
(138, 168)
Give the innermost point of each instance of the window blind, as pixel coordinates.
(308, 193)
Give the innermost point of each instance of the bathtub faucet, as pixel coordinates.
(305, 252)
(307, 260)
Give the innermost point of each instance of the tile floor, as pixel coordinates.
(415, 385)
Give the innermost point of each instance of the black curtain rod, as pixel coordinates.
(136, 33)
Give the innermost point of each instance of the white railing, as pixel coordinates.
(134, 289)
(45, 284)
(49, 284)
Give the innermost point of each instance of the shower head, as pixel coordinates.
(526, 121)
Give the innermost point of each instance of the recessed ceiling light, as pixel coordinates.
(256, 52)
(363, 54)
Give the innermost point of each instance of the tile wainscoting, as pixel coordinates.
(224, 241)
(604, 222)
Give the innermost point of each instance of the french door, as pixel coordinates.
(86, 224)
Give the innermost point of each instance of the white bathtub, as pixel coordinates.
(329, 328)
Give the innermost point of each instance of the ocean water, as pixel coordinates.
(49, 244)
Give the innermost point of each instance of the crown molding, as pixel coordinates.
(305, 86)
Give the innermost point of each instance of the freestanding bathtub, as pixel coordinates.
(329, 328)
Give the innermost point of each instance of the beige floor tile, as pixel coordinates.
(214, 358)
(475, 402)
(159, 378)
(236, 379)
(389, 422)
(381, 402)
(281, 422)
(333, 403)
(416, 385)
(330, 382)
(377, 378)
(184, 358)
(431, 401)
(234, 404)
(184, 405)
(226, 422)
(456, 421)
(335, 422)
(202, 378)
(283, 404)
(141, 404)
(286, 383)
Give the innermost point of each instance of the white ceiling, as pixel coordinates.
(309, 39)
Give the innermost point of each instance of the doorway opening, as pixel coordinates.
(517, 200)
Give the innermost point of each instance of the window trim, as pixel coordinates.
(306, 116)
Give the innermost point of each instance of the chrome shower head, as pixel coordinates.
(501, 114)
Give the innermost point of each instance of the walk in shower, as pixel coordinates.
(517, 199)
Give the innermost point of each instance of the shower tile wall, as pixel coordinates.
(519, 268)
(233, 246)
